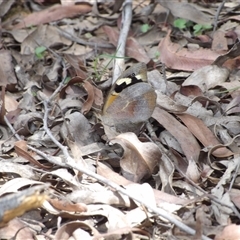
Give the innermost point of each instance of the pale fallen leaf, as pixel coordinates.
(15, 184)
(68, 231)
(207, 77)
(115, 217)
(167, 103)
(78, 128)
(160, 196)
(192, 171)
(99, 195)
(139, 159)
(230, 232)
(24, 171)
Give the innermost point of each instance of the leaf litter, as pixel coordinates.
(63, 178)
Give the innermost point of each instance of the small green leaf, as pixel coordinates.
(157, 55)
(39, 51)
(145, 28)
(180, 23)
(88, 35)
(199, 28)
(67, 79)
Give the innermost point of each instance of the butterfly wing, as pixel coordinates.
(134, 104)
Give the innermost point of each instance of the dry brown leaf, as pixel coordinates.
(10, 103)
(87, 105)
(185, 138)
(66, 205)
(136, 51)
(166, 171)
(230, 60)
(74, 81)
(139, 159)
(51, 14)
(98, 97)
(204, 135)
(191, 90)
(2, 106)
(62, 174)
(176, 57)
(22, 150)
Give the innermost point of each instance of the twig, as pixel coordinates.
(126, 23)
(217, 15)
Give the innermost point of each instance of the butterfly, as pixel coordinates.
(130, 102)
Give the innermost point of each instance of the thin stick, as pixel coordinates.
(126, 23)
(217, 15)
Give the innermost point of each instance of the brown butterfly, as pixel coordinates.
(130, 102)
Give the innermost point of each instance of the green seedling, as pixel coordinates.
(145, 28)
(183, 24)
(40, 51)
(200, 28)
(180, 23)
(157, 55)
(66, 80)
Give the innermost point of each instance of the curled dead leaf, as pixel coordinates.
(139, 159)
(68, 206)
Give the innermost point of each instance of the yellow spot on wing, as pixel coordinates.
(109, 101)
